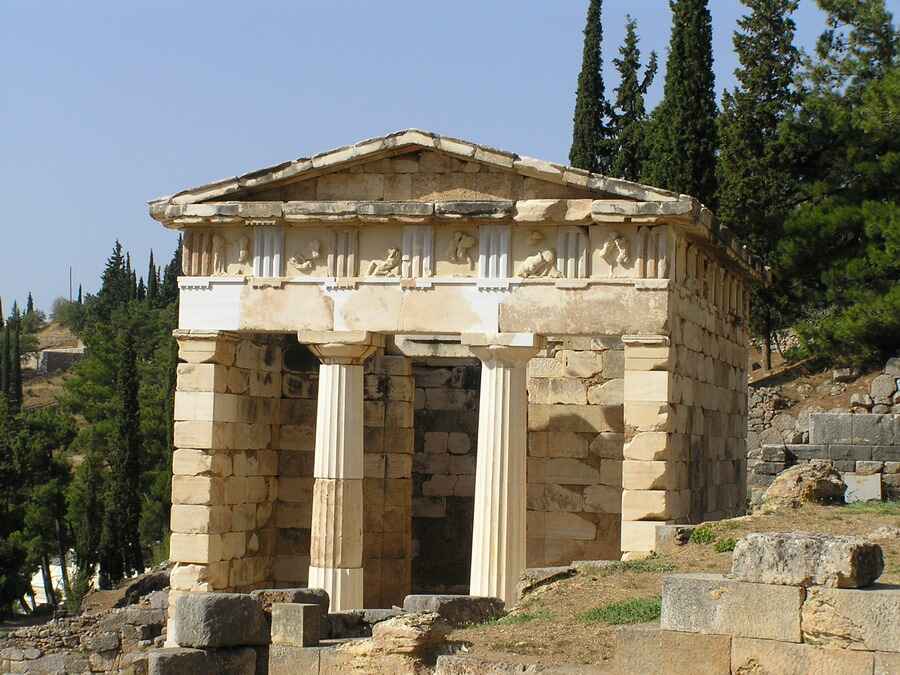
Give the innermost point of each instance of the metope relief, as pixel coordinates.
(539, 264)
(615, 252)
(389, 267)
(306, 262)
(461, 247)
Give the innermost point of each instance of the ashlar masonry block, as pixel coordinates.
(655, 504)
(637, 475)
(195, 548)
(770, 656)
(193, 462)
(202, 377)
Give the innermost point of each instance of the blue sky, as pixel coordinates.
(109, 104)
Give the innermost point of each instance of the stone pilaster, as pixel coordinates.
(654, 470)
(336, 546)
(498, 533)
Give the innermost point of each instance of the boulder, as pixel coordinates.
(457, 610)
(220, 620)
(883, 388)
(143, 585)
(410, 634)
(892, 367)
(535, 577)
(807, 559)
(817, 482)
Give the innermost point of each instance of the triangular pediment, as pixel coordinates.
(414, 166)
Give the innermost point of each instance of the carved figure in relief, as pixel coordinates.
(218, 254)
(618, 244)
(307, 263)
(542, 263)
(461, 248)
(243, 253)
(389, 267)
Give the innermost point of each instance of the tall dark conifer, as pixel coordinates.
(682, 148)
(120, 543)
(4, 354)
(115, 285)
(630, 114)
(29, 305)
(80, 299)
(169, 288)
(591, 137)
(152, 281)
(15, 392)
(757, 188)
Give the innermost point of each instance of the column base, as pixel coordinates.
(343, 585)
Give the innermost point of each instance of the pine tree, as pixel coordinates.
(630, 115)
(4, 354)
(120, 543)
(115, 285)
(756, 184)
(591, 137)
(682, 137)
(141, 290)
(15, 392)
(29, 305)
(152, 281)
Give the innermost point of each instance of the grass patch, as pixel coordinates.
(636, 610)
(703, 535)
(651, 565)
(520, 618)
(724, 545)
(877, 508)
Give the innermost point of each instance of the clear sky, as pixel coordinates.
(109, 104)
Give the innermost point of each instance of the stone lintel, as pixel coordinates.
(502, 340)
(645, 340)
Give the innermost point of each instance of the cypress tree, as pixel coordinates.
(591, 137)
(756, 184)
(141, 293)
(114, 285)
(630, 115)
(80, 301)
(120, 538)
(152, 281)
(4, 354)
(682, 147)
(14, 396)
(169, 288)
(29, 305)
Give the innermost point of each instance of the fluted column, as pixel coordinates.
(498, 533)
(336, 547)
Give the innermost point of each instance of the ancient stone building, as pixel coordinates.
(419, 363)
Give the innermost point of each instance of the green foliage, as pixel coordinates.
(630, 115)
(725, 545)
(652, 565)
(636, 610)
(518, 619)
(703, 535)
(875, 508)
(682, 137)
(591, 136)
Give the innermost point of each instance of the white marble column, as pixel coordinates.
(336, 549)
(498, 533)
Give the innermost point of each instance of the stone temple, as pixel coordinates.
(418, 364)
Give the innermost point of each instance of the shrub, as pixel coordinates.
(724, 545)
(703, 535)
(636, 610)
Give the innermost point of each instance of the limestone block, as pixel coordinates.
(807, 559)
(712, 604)
(608, 445)
(398, 415)
(602, 499)
(862, 488)
(204, 435)
(462, 465)
(252, 436)
(642, 416)
(210, 407)
(192, 462)
(567, 444)
(562, 525)
(830, 428)
(195, 519)
(859, 619)
(202, 377)
(768, 656)
(457, 610)
(198, 490)
(212, 350)
(655, 504)
(611, 392)
(436, 442)
(641, 475)
(872, 429)
(237, 381)
(294, 437)
(440, 486)
(220, 620)
(287, 660)
(887, 664)
(234, 545)
(582, 364)
(639, 535)
(646, 649)
(298, 385)
(296, 624)
(611, 472)
(580, 418)
(265, 384)
(565, 471)
(647, 387)
(540, 367)
(459, 443)
(557, 390)
(559, 498)
(195, 548)
(655, 446)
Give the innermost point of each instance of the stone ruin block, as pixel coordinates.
(807, 559)
(647, 649)
(713, 605)
(206, 620)
(457, 610)
(181, 661)
(296, 624)
(767, 656)
(858, 619)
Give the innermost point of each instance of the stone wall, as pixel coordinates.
(575, 438)
(446, 438)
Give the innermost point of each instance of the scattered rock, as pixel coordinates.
(885, 532)
(807, 559)
(220, 620)
(535, 577)
(861, 401)
(892, 367)
(883, 388)
(817, 482)
(144, 585)
(266, 597)
(844, 374)
(411, 635)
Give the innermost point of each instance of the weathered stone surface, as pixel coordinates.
(862, 488)
(646, 649)
(816, 482)
(764, 657)
(457, 610)
(475, 665)
(860, 619)
(410, 634)
(220, 620)
(534, 577)
(883, 387)
(807, 559)
(296, 624)
(712, 604)
(830, 428)
(315, 596)
(887, 664)
(288, 660)
(180, 661)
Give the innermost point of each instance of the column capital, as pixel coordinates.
(511, 349)
(350, 348)
(206, 346)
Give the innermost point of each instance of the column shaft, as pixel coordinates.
(498, 533)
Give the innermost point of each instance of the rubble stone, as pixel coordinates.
(457, 610)
(816, 482)
(220, 620)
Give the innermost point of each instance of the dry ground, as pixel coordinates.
(545, 626)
